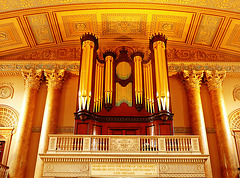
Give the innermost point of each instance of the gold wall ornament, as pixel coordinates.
(192, 79)
(236, 93)
(127, 144)
(32, 78)
(214, 79)
(55, 78)
(8, 116)
(234, 119)
(6, 91)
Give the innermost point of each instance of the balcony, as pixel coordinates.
(123, 156)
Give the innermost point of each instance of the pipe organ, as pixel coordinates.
(124, 93)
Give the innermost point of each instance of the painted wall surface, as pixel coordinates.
(68, 107)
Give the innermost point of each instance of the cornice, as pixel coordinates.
(13, 68)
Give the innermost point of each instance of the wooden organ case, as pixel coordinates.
(124, 94)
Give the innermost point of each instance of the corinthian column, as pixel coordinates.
(192, 80)
(32, 80)
(49, 124)
(214, 80)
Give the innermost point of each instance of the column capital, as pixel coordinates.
(214, 79)
(32, 78)
(192, 79)
(55, 78)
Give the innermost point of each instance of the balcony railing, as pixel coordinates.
(122, 143)
(3, 171)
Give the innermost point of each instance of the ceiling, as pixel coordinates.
(197, 31)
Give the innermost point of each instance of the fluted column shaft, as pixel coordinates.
(18, 164)
(49, 124)
(192, 80)
(225, 147)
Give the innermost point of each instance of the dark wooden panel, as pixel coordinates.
(82, 128)
(165, 129)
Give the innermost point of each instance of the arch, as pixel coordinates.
(234, 119)
(8, 116)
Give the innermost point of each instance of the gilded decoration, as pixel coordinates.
(208, 28)
(124, 145)
(8, 116)
(40, 28)
(232, 38)
(214, 79)
(69, 54)
(234, 119)
(124, 24)
(6, 90)
(236, 93)
(11, 35)
(192, 79)
(173, 26)
(32, 78)
(10, 5)
(73, 24)
(55, 78)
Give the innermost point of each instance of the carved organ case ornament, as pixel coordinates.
(124, 93)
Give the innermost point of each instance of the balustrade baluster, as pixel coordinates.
(61, 143)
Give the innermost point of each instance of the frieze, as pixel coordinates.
(14, 68)
(173, 54)
(69, 54)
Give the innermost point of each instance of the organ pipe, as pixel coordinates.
(137, 58)
(89, 46)
(108, 91)
(157, 45)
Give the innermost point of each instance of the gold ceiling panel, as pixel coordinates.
(40, 28)
(207, 29)
(124, 24)
(73, 24)
(175, 25)
(231, 40)
(11, 35)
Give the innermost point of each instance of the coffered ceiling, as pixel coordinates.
(201, 31)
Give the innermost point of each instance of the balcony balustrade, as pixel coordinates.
(123, 156)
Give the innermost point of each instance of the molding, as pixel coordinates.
(13, 68)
